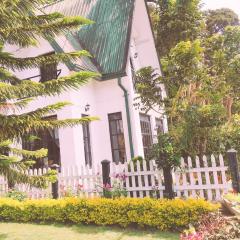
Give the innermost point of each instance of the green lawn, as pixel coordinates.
(14, 231)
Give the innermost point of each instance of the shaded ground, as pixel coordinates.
(14, 231)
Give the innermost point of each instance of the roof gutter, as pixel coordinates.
(128, 116)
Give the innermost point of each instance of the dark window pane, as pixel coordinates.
(117, 137)
(115, 116)
(146, 133)
(87, 143)
(119, 127)
(48, 139)
(116, 156)
(115, 141)
(122, 156)
(48, 71)
(113, 127)
(159, 125)
(121, 142)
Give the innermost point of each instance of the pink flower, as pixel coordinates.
(80, 186)
(107, 186)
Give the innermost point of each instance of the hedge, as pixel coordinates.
(161, 214)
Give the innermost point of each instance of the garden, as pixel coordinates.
(120, 218)
(201, 77)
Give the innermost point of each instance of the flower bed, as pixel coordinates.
(213, 226)
(232, 203)
(161, 214)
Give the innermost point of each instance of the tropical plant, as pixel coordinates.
(201, 77)
(167, 157)
(16, 195)
(23, 23)
(217, 20)
(176, 21)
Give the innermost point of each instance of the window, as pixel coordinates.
(117, 137)
(159, 125)
(48, 71)
(133, 73)
(48, 139)
(87, 143)
(146, 133)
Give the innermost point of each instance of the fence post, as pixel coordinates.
(55, 193)
(106, 172)
(234, 169)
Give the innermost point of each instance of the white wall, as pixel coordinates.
(143, 53)
(103, 97)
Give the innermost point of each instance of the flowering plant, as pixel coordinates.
(116, 189)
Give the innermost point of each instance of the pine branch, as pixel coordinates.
(6, 76)
(7, 60)
(17, 126)
(29, 154)
(29, 89)
(12, 107)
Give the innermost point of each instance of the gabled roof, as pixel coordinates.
(107, 39)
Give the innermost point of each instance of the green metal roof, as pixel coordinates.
(107, 39)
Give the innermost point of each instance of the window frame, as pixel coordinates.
(87, 142)
(146, 134)
(45, 67)
(117, 134)
(159, 127)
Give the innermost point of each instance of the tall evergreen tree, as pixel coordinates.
(22, 24)
(217, 20)
(177, 21)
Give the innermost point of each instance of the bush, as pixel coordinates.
(161, 214)
(16, 195)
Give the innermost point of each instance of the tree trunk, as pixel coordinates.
(169, 193)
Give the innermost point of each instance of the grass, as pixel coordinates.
(15, 231)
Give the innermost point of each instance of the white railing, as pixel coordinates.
(32, 192)
(206, 178)
(82, 181)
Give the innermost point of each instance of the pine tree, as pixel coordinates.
(22, 24)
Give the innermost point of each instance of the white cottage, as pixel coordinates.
(121, 42)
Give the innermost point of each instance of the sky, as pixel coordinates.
(214, 4)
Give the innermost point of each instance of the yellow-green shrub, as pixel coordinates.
(161, 214)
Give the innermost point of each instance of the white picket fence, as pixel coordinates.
(207, 179)
(80, 181)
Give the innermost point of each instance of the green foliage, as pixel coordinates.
(23, 23)
(178, 21)
(114, 191)
(217, 20)
(164, 152)
(201, 77)
(16, 195)
(138, 158)
(161, 214)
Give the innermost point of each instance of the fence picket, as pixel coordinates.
(208, 183)
(133, 179)
(215, 177)
(200, 183)
(146, 182)
(127, 178)
(139, 179)
(192, 179)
